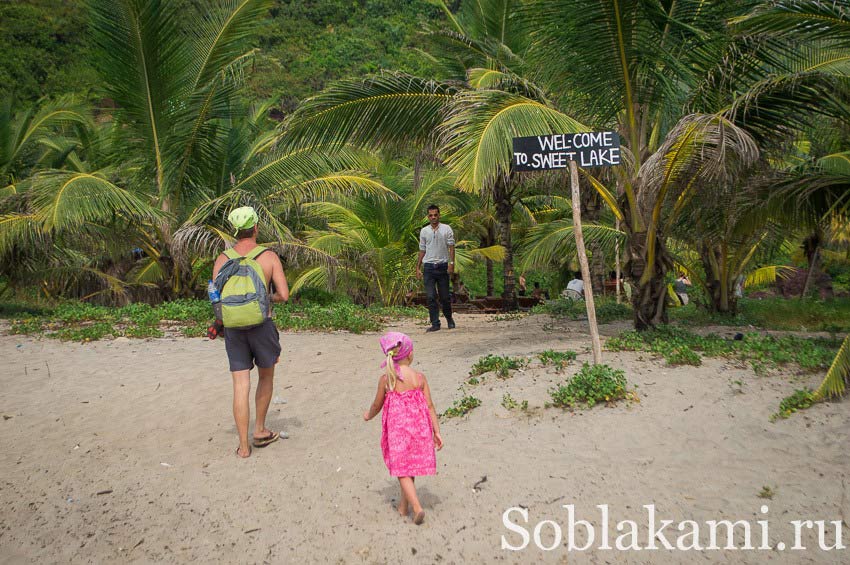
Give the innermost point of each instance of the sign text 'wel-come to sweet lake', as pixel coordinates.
(546, 152)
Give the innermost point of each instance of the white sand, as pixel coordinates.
(151, 421)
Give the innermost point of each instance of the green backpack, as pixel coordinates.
(242, 285)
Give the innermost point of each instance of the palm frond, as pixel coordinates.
(493, 253)
(389, 109)
(838, 375)
(476, 138)
(554, 242)
(768, 275)
(142, 57)
(812, 19)
(67, 201)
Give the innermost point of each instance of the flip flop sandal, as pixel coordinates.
(264, 441)
(239, 456)
(419, 518)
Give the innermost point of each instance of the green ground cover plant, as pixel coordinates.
(508, 402)
(806, 314)
(79, 321)
(762, 352)
(591, 385)
(502, 365)
(558, 359)
(799, 400)
(462, 407)
(607, 309)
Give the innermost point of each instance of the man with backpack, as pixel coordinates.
(242, 276)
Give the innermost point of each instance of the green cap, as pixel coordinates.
(243, 218)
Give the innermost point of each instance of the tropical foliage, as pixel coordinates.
(733, 118)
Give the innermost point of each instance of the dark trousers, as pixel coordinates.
(436, 277)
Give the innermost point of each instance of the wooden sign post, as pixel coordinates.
(559, 151)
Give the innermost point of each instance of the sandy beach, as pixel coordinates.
(123, 452)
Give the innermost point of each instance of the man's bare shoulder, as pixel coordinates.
(268, 257)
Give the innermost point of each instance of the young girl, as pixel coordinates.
(410, 428)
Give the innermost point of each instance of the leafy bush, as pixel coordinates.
(144, 331)
(684, 356)
(185, 310)
(560, 359)
(800, 400)
(462, 407)
(81, 312)
(93, 332)
(680, 346)
(776, 314)
(501, 365)
(26, 326)
(592, 384)
(18, 310)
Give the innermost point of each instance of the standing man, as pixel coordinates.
(259, 344)
(437, 252)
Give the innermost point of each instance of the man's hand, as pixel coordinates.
(418, 273)
(451, 269)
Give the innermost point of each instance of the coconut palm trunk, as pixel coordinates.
(504, 210)
(591, 212)
(649, 299)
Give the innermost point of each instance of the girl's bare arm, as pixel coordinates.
(435, 421)
(378, 403)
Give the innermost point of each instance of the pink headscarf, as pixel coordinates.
(392, 340)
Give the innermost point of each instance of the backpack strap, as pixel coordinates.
(231, 253)
(256, 252)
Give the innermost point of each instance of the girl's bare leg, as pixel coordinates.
(403, 507)
(409, 490)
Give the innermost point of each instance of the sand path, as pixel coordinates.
(149, 425)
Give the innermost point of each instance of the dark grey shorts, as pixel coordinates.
(245, 347)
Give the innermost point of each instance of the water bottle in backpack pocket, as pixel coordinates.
(242, 283)
(215, 299)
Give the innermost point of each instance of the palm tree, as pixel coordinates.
(188, 147)
(814, 92)
(481, 47)
(374, 238)
(57, 214)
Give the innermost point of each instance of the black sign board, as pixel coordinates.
(547, 152)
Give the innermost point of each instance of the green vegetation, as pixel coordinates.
(45, 49)
(767, 492)
(558, 359)
(462, 407)
(762, 352)
(800, 400)
(775, 314)
(591, 385)
(129, 128)
(607, 310)
(508, 403)
(302, 45)
(502, 365)
(78, 321)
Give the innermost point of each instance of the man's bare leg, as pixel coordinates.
(241, 409)
(265, 387)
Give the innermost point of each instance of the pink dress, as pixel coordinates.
(407, 440)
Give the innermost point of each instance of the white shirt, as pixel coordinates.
(436, 242)
(576, 285)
